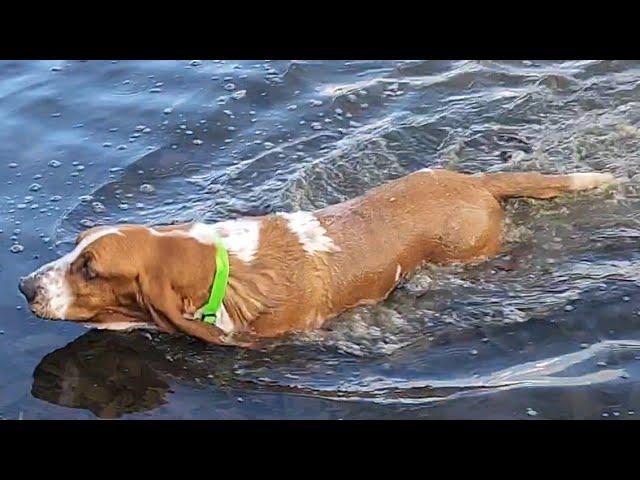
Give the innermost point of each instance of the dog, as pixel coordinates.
(284, 272)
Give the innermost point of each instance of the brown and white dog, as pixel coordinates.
(288, 271)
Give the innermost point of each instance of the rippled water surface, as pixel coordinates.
(549, 329)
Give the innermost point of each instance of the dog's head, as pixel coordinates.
(123, 276)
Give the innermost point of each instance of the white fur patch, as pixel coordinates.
(158, 233)
(224, 323)
(398, 272)
(54, 291)
(241, 237)
(311, 234)
(121, 326)
(585, 181)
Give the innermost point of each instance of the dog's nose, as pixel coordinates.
(27, 286)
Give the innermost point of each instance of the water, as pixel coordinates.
(549, 329)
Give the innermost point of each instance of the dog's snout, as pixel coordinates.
(27, 286)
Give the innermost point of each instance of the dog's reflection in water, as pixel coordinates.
(107, 373)
(113, 374)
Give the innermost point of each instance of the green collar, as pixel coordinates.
(211, 311)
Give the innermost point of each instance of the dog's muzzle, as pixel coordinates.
(47, 292)
(28, 287)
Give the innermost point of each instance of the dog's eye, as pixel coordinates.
(88, 272)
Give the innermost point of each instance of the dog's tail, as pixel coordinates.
(536, 185)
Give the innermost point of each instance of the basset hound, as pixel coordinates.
(284, 272)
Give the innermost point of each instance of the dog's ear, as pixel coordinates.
(165, 306)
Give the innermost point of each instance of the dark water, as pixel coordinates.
(550, 329)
